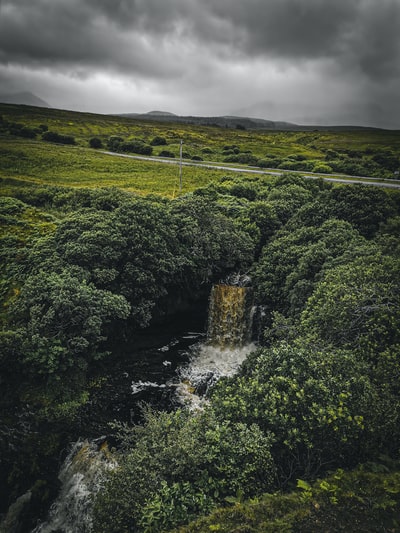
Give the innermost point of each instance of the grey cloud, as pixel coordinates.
(291, 28)
(73, 36)
(374, 44)
(357, 34)
(132, 34)
(204, 49)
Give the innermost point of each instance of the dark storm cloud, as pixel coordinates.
(374, 43)
(50, 33)
(137, 34)
(356, 34)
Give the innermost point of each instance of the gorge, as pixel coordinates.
(225, 346)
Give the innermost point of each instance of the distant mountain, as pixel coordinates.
(161, 113)
(222, 121)
(321, 116)
(25, 98)
(237, 122)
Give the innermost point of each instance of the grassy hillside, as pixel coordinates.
(33, 160)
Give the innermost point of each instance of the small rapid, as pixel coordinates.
(207, 364)
(81, 477)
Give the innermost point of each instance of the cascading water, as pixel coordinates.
(228, 340)
(81, 477)
(229, 319)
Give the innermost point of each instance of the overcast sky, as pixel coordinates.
(326, 61)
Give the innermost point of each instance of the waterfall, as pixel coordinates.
(228, 341)
(81, 477)
(230, 316)
(227, 346)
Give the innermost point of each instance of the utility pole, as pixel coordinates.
(180, 166)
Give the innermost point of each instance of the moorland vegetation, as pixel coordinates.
(86, 267)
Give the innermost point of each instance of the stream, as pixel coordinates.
(167, 371)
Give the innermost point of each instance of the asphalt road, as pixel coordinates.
(364, 180)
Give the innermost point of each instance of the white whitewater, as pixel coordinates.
(81, 477)
(228, 343)
(207, 365)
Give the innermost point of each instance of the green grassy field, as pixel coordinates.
(27, 162)
(34, 161)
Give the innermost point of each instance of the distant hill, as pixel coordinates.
(221, 121)
(237, 122)
(161, 114)
(25, 98)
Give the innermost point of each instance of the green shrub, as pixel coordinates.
(95, 142)
(113, 142)
(269, 162)
(319, 406)
(322, 168)
(20, 130)
(54, 137)
(135, 147)
(158, 141)
(243, 159)
(166, 153)
(179, 465)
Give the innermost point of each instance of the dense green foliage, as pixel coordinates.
(327, 395)
(180, 465)
(364, 500)
(84, 269)
(111, 263)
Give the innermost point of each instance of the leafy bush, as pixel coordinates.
(387, 159)
(243, 159)
(158, 141)
(231, 147)
(288, 197)
(20, 130)
(291, 164)
(291, 263)
(54, 137)
(166, 153)
(269, 162)
(10, 206)
(320, 407)
(179, 465)
(357, 305)
(363, 206)
(65, 320)
(113, 142)
(322, 168)
(95, 142)
(135, 147)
